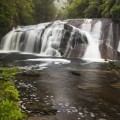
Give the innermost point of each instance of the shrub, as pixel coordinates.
(9, 96)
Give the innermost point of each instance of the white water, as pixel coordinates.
(63, 61)
(51, 39)
(118, 47)
(28, 38)
(92, 51)
(93, 34)
(86, 26)
(43, 39)
(8, 38)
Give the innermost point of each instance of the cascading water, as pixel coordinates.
(7, 40)
(93, 35)
(83, 38)
(51, 39)
(44, 39)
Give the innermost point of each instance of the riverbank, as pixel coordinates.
(9, 96)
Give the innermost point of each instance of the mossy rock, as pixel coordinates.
(113, 65)
(41, 108)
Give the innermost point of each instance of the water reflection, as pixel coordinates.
(80, 97)
(80, 90)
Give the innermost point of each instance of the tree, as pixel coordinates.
(24, 10)
(7, 12)
(76, 8)
(93, 10)
(44, 10)
(115, 12)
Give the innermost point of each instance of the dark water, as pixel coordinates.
(79, 90)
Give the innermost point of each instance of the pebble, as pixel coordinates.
(92, 115)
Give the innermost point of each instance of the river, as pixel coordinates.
(74, 88)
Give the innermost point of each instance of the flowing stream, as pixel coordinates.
(75, 88)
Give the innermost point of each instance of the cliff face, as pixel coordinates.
(109, 39)
(78, 38)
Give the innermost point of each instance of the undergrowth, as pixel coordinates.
(9, 96)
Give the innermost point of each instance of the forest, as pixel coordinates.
(26, 12)
(94, 9)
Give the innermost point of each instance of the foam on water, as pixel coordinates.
(49, 60)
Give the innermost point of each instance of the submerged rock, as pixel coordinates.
(73, 71)
(31, 73)
(41, 108)
(77, 73)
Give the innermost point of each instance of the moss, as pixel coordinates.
(9, 96)
(113, 66)
(114, 69)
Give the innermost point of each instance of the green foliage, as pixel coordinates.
(9, 110)
(7, 90)
(77, 8)
(44, 10)
(8, 73)
(24, 12)
(6, 15)
(94, 9)
(9, 96)
(115, 11)
(113, 66)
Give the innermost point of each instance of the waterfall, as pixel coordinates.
(51, 39)
(92, 51)
(78, 38)
(93, 34)
(46, 39)
(7, 39)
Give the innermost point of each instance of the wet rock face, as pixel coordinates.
(65, 39)
(108, 52)
(109, 36)
(73, 42)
